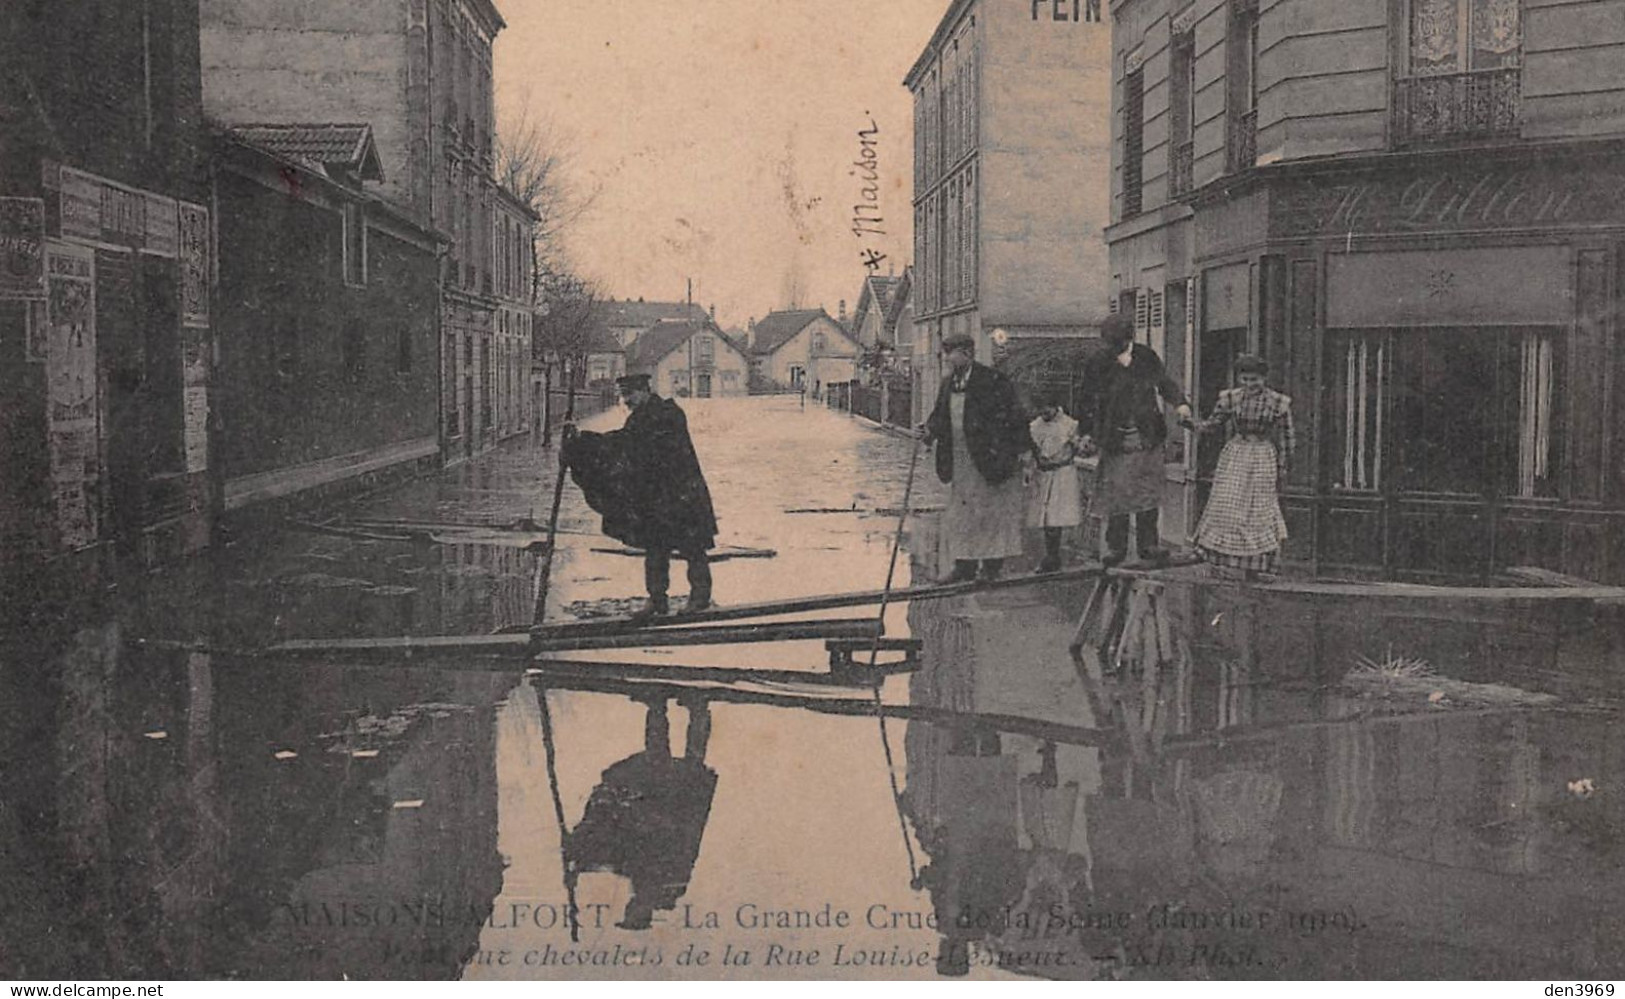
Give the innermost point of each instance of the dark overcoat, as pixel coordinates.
(1115, 396)
(996, 432)
(645, 480)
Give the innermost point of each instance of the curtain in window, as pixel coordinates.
(1497, 34)
(1435, 39)
(1535, 414)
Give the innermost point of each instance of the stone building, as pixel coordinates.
(105, 284)
(1409, 207)
(1011, 157)
(418, 72)
(327, 320)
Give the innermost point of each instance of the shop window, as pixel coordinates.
(1462, 70)
(1475, 411)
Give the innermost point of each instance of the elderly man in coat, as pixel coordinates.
(645, 480)
(980, 433)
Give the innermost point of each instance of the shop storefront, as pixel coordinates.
(1444, 326)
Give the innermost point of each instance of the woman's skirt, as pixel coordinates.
(1242, 526)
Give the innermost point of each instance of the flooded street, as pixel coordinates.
(1245, 784)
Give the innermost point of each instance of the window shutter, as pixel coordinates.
(1142, 314)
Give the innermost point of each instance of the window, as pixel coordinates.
(355, 245)
(1435, 382)
(706, 348)
(1182, 109)
(1462, 70)
(1241, 95)
(1133, 139)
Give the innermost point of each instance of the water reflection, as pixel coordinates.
(646, 816)
(1249, 813)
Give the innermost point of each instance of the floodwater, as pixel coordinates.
(1249, 784)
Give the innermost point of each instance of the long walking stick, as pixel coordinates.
(558, 812)
(544, 571)
(874, 658)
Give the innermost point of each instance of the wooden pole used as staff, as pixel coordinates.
(544, 571)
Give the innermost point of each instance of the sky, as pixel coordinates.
(720, 137)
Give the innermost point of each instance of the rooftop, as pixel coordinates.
(335, 149)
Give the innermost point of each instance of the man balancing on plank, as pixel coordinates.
(645, 480)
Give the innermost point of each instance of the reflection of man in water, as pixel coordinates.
(975, 870)
(645, 818)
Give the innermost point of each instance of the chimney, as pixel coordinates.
(842, 316)
(750, 332)
(713, 312)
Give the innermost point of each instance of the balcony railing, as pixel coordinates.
(1183, 169)
(1244, 140)
(1480, 104)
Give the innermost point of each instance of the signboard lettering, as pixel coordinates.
(22, 248)
(1477, 199)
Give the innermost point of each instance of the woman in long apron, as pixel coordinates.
(1242, 529)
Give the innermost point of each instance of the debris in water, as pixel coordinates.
(159, 734)
(1437, 697)
(363, 754)
(284, 754)
(1582, 788)
(413, 803)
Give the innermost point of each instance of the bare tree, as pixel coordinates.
(534, 161)
(568, 322)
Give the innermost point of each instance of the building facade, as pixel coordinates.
(690, 360)
(419, 73)
(106, 290)
(514, 287)
(803, 349)
(327, 318)
(1011, 157)
(1406, 206)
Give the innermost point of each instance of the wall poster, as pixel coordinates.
(72, 411)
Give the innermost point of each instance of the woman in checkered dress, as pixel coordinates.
(1242, 527)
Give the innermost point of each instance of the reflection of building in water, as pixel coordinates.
(647, 815)
(1234, 774)
(165, 839)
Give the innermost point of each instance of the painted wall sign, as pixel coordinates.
(103, 211)
(1474, 199)
(71, 399)
(1071, 11)
(22, 248)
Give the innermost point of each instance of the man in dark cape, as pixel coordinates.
(645, 480)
